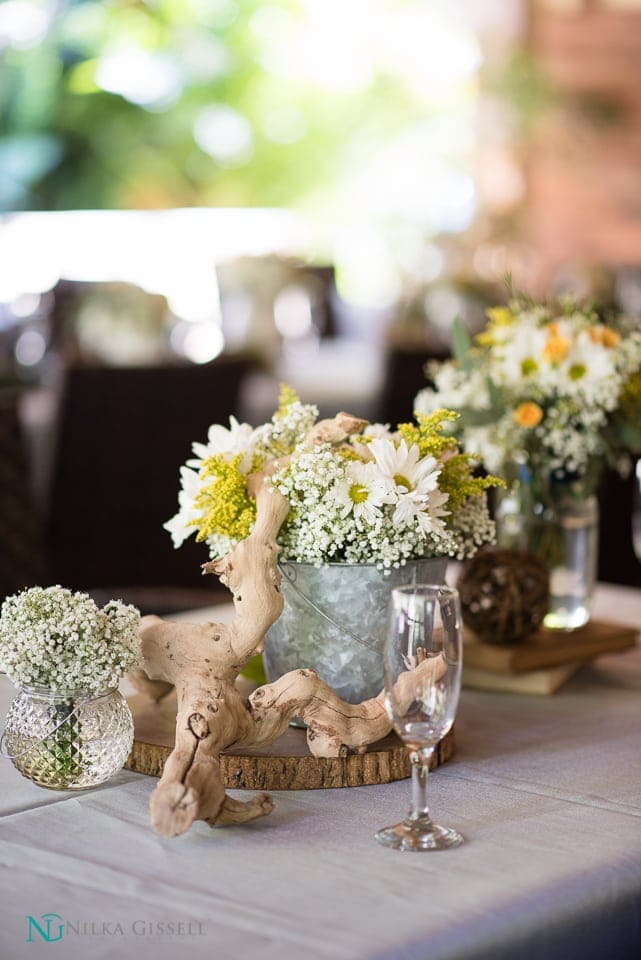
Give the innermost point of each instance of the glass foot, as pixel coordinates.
(419, 834)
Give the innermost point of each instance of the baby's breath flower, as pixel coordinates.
(287, 430)
(54, 638)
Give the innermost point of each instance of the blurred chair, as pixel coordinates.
(617, 560)
(110, 323)
(404, 375)
(21, 547)
(123, 434)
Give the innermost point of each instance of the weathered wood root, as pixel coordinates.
(204, 660)
(191, 787)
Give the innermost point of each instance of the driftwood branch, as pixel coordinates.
(203, 661)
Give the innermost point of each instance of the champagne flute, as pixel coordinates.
(423, 659)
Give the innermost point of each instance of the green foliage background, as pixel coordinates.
(65, 143)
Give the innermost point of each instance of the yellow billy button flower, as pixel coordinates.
(528, 414)
(604, 335)
(556, 349)
(609, 337)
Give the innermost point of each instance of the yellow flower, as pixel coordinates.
(609, 337)
(556, 349)
(286, 397)
(528, 414)
(604, 335)
(499, 316)
(428, 433)
(226, 506)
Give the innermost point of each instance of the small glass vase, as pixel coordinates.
(334, 622)
(561, 528)
(68, 739)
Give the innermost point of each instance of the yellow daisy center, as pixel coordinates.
(358, 493)
(577, 371)
(528, 366)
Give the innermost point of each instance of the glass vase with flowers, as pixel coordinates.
(548, 393)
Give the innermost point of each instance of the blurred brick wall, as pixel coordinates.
(584, 169)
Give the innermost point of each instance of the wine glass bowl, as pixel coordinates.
(422, 661)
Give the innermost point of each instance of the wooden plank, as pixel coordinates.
(547, 648)
(283, 765)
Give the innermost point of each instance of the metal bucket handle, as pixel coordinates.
(290, 576)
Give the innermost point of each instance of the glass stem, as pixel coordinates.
(420, 760)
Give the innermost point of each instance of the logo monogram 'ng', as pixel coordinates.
(50, 927)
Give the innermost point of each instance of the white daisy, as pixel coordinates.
(596, 361)
(361, 442)
(239, 438)
(429, 520)
(408, 477)
(363, 491)
(180, 526)
(520, 357)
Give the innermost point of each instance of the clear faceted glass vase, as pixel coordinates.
(68, 739)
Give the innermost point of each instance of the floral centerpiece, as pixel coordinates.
(68, 727)
(548, 395)
(381, 499)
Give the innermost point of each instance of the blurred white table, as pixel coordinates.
(546, 790)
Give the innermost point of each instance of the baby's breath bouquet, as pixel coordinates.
(68, 727)
(51, 637)
(382, 497)
(549, 385)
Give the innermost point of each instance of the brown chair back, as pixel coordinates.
(123, 435)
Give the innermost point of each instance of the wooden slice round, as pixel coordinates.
(284, 765)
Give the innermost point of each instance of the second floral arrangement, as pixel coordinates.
(382, 497)
(549, 385)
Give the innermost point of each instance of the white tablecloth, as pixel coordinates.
(546, 790)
